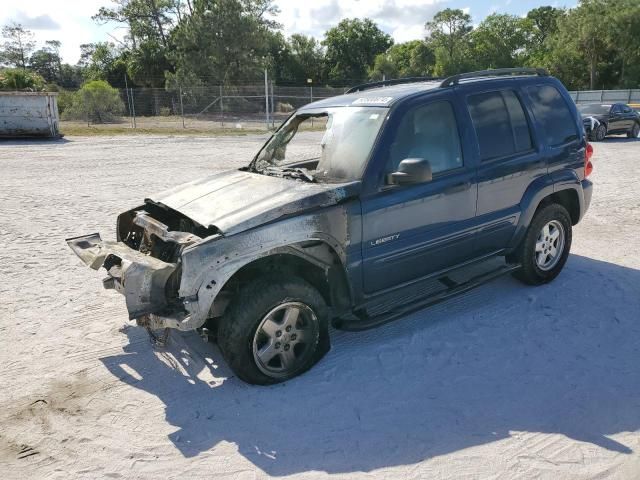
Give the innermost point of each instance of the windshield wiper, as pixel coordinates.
(291, 172)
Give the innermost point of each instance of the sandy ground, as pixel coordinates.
(506, 382)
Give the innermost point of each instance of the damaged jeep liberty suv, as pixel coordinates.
(359, 209)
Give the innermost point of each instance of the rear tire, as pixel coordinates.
(545, 247)
(261, 340)
(635, 131)
(599, 133)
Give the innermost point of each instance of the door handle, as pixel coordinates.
(458, 187)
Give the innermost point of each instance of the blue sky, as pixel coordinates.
(70, 20)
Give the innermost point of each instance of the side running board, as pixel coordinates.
(451, 288)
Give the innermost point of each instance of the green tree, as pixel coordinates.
(448, 34)
(625, 23)
(351, 49)
(499, 40)
(543, 23)
(149, 24)
(223, 40)
(540, 25)
(104, 61)
(384, 67)
(583, 43)
(47, 62)
(147, 64)
(307, 57)
(409, 59)
(70, 76)
(96, 101)
(18, 45)
(146, 20)
(21, 79)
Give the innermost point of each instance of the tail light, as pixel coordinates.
(588, 166)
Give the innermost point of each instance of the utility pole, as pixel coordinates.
(266, 97)
(181, 108)
(133, 109)
(126, 89)
(273, 106)
(310, 82)
(221, 109)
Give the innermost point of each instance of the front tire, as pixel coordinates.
(599, 133)
(545, 248)
(275, 329)
(635, 131)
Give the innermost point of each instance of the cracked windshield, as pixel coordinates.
(328, 146)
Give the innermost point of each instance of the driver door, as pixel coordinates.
(618, 122)
(411, 231)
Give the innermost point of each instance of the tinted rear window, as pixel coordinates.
(553, 114)
(500, 124)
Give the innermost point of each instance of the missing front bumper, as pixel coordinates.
(141, 278)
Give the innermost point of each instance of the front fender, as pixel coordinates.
(208, 266)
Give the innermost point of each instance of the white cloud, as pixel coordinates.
(40, 22)
(68, 21)
(403, 19)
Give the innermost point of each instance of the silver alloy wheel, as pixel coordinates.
(550, 245)
(601, 132)
(285, 339)
(635, 131)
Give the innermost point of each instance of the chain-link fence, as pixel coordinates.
(253, 107)
(208, 108)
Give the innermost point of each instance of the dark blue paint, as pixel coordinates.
(410, 232)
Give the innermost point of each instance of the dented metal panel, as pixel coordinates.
(238, 205)
(207, 266)
(235, 201)
(29, 114)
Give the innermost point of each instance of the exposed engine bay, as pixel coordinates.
(144, 264)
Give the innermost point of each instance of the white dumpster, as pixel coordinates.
(29, 114)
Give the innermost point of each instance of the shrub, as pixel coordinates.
(65, 100)
(96, 101)
(20, 79)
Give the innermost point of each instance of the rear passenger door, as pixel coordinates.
(560, 127)
(509, 160)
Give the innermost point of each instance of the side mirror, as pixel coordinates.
(411, 170)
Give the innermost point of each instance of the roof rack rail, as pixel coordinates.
(395, 81)
(455, 79)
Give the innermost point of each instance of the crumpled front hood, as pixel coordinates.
(235, 201)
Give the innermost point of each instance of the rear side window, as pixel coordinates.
(500, 124)
(553, 114)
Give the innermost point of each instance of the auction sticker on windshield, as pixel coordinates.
(370, 100)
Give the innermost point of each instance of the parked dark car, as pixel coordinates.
(601, 120)
(414, 191)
